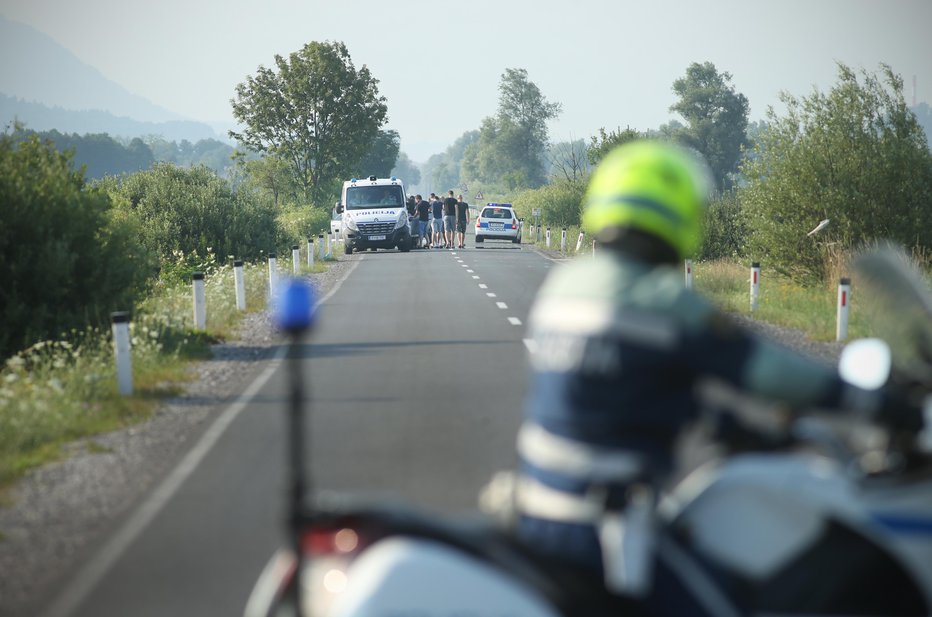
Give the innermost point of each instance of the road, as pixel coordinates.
(417, 372)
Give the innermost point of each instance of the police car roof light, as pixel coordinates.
(372, 178)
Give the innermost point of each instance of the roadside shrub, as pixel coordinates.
(67, 259)
(298, 223)
(559, 203)
(193, 211)
(724, 229)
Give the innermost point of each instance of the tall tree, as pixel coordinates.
(855, 156)
(716, 118)
(603, 143)
(316, 111)
(383, 152)
(407, 170)
(512, 146)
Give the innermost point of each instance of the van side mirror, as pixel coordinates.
(339, 208)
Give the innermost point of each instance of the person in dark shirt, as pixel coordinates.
(437, 224)
(462, 220)
(449, 219)
(423, 219)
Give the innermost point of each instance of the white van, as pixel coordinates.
(374, 215)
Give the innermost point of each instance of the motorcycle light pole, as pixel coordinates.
(294, 312)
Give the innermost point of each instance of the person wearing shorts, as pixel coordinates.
(462, 220)
(436, 224)
(422, 208)
(449, 219)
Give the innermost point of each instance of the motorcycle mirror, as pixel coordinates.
(294, 307)
(866, 363)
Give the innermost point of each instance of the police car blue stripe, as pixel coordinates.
(904, 524)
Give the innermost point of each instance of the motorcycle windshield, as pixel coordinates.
(895, 296)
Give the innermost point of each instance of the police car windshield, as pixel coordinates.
(359, 197)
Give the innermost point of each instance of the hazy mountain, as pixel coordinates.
(47, 87)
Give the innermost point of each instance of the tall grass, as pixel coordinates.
(57, 391)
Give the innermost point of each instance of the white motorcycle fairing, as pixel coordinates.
(407, 576)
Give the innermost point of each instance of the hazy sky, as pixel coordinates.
(609, 62)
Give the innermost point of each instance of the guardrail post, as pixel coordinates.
(320, 246)
(689, 274)
(239, 284)
(310, 252)
(755, 285)
(273, 275)
(844, 299)
(200, 308)
(121, 350)
(295, 259)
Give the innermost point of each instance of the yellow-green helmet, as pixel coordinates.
(651, 186)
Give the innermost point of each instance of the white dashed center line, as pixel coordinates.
(514, 321)
(483, 286)
(501, 305)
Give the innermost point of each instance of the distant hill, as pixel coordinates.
(46, 87)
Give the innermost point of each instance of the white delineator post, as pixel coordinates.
(579, 240)
(239, 284)
(844, 299)
(755, 285)
(593, 246)
(563, 239)
(273, 275)
(200, 305)
(689, 274)
(121, 350)
(310, 252)
(320, 246)
(329, 246)
(295, 259)
(548, 237)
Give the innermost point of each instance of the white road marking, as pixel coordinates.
(475, 276)
(89, 577)
(514, 321)
(531, 345)
(483, 286)
(501, 305)
(490, 294)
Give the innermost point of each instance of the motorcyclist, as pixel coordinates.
(619, 346)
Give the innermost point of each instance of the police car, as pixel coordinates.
(373, 215)
(498, 222)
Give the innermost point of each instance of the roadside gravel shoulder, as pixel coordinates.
(54, 517)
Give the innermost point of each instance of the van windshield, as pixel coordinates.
(359, 197)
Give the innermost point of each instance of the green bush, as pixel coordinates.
(192, 211)
(559, 203)
(724, 229)
(298, 223)
(67, 259)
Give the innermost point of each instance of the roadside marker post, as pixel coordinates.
(844, 299)
(239, 285)
(563, 239)
(755, 285)
(548, 237)
(273, 275)
(329, 246)
(310, 252)
(320, 246)
(121, 350)
(200, 306)
(689, 274)
(295, 259)
(579, 240)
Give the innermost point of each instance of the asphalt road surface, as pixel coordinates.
(417, 372)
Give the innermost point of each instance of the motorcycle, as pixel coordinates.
(798, 522)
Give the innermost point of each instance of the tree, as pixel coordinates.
(66, 259)
(407, 170)
(603, 143)
(569, 160)
(855, 156)
(514, 142)
(317, 112)
(716, 118)
(381, 156)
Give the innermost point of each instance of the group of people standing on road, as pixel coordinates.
(442, 223)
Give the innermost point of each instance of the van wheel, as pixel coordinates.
(348, 249)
